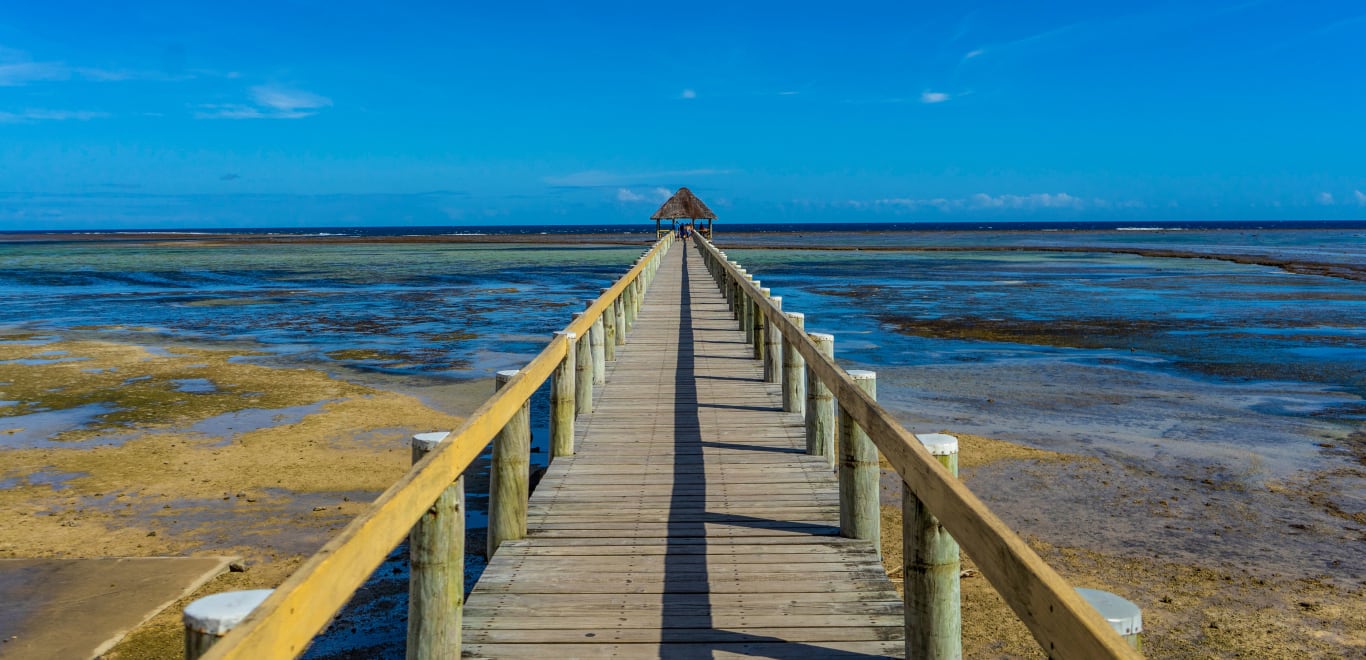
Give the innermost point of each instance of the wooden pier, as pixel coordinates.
(691, 509)
(690, 522)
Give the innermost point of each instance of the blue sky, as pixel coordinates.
(182, 114)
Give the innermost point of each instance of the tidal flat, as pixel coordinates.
(1202, 417)
(1184, 432)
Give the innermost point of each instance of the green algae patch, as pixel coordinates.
(1070, 333)
(142, 389)
(457, 335)
(230, 302)
(363, 355)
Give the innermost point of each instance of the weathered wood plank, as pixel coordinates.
(690, 520)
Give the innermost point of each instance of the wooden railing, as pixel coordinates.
(1062, 622)
(285, 622)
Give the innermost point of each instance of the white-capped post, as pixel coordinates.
(860, 514)
(931, 565)
(436, 576)
(509, 475)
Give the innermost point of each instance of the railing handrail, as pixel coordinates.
(1063, 623)
(284, 624)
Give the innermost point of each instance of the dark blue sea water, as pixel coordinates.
(734, 227)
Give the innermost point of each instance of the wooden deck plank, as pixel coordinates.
(690, 522)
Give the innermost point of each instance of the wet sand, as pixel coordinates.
(201, 455)
(1105, 525)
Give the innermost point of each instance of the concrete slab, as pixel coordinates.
(80, 608)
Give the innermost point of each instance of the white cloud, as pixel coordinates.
(284, 99)
(601, 179)
(933, 97)
(658, 195)
(974, 53)
(14, 74)
(33, 115)
(228, 111)
(1360, 197)
(688, 94)
(18, 69)
(1034, 201)
(1325, 198)
(270, 102)
(985, 202)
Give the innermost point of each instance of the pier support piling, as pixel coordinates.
(794, 370)
(1121, 613)
(860, 514)
(597, 344)
(208, 619)
(436, 557)
(931, 565)
(583, 372)
(509, 475)
(562, 394)
(773, 348)
(820, 405)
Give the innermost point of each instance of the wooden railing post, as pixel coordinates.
(820, 405)
(208, 619)
(860, 517)
(760, 326)
(436, 559)
(609, 325)
(637, 297)
(628, 307)
(740, 297)
(619, 311)
(931, 565)
(773, 348)
(728, 289)
(597, 346)
(509, 475)
(562, 393)
(1121, 613)
(751, 316)
(583, 372)
(794, 370)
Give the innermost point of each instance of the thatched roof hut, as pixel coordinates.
(684, 206)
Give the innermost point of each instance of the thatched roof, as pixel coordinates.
(683, 204)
